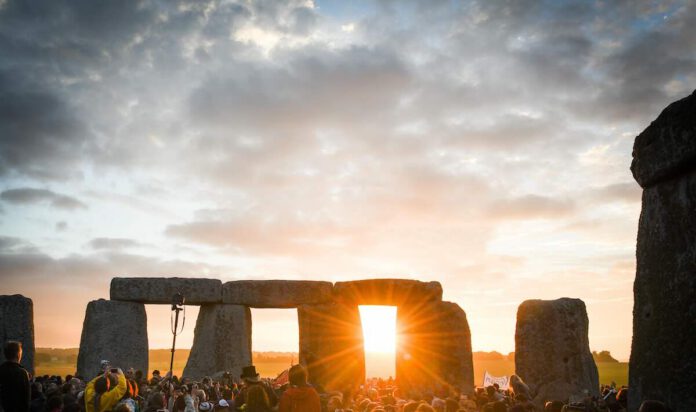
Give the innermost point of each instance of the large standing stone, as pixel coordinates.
(113, 331)
(663, 352)
(276, 293)
(222, 341)
(161, 290)
(552, 352)
(457, 364)
(17, 323)
(434, 348)
(331, 345)
(395, 292)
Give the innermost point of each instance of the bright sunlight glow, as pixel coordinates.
(379, 328)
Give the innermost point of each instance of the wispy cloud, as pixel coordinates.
(27, 195)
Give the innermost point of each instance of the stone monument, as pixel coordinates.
(17, 323)
(552, 350)
(663, 352)
(435, 347)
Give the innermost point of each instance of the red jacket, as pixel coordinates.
(300, 399)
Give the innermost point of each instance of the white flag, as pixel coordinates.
(502, 381)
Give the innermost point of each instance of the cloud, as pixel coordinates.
(28, 195)
(530, 207)
(625, 192)
(39, 132)
(112, 243)
(14, 245)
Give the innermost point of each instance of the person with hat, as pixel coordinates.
(223, 405)
(205, 407)
(250, 378)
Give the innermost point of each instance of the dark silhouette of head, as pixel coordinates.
(257, 399)
(101, 385)
(297, 375)
(13, 350)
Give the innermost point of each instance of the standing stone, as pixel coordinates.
(222, 341)
(552, 351)
(456, 364)
(197, 291)
(331, 345)
(434, 348)
(17, 323)
(114, 331)
(276, 293)
(395, 292)
(663, 352)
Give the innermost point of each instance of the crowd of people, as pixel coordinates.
(116, 390)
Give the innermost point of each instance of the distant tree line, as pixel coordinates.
(603, 356)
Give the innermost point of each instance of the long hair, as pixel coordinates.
(519, 387)
(101, 385)
(257, 399)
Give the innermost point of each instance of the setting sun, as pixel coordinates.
(379, 328)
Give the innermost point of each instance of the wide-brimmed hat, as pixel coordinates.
(205, 406)
(249, 374)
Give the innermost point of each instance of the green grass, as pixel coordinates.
(63, 362)
(608, 372)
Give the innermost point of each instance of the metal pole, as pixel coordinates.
(176, 325)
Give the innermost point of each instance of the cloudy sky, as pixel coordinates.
(485, 145)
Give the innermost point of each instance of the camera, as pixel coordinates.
(177, 300)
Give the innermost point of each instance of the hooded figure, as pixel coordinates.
(300, 397)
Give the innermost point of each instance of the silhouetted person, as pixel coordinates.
(300, 397)
(15, 391)
(251, 378)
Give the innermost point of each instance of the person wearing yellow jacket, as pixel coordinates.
(100, 395)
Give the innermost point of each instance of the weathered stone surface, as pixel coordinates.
(394, 292)
(663, 353)
(331, 345)
(434, 348)
(113, 331)
(552, 353)
(222, 341)
(161, 290)
(457, 364)
(668, 146)
(17, 323)
(276, 293)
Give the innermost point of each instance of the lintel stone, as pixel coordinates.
(197, 291)
(394, 292)
(276, 293)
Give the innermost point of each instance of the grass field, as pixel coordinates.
(63, 361)
(608, 371)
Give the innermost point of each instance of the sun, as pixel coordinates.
(379, 328)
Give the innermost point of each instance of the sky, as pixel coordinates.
(482, 144)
